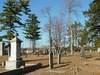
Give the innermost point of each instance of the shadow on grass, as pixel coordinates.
(31, 68)
(66, 62)
(88, 57)
(45, 66)
(39, 66)
(37, 60)
(97, 59)
(23, 70)
(63, 65)
(34, 60)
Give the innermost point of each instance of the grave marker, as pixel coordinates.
(15, 60)
(1, 48)
(50, 60)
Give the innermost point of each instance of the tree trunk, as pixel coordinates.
(71, 42)
(82, 53)
(59, 57)
(50, 40)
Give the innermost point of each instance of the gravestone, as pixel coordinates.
(98, 49)
(50, 60)
(15, 60)
(59, 58)
(1, 48)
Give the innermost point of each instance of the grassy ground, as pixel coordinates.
(70, 65)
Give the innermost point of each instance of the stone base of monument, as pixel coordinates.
(98, 49)
(21, 71)
(13, 64)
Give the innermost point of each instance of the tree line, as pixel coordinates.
(87, 35)
(58, 27)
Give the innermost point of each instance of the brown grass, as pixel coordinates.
(70, 65)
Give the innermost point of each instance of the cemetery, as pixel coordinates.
(49, 37)
(14, 62)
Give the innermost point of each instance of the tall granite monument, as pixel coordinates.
(15, 60)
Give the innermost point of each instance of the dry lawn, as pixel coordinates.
(70, 65)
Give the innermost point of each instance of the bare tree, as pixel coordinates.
(58, 35)
(76, 33)
(48, 26)
(70, 9)
(58, 32)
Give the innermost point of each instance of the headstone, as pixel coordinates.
(98, 49)
(50, 60)
(1, 48)
(59, 58)
(82, 52)
(15, 60)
